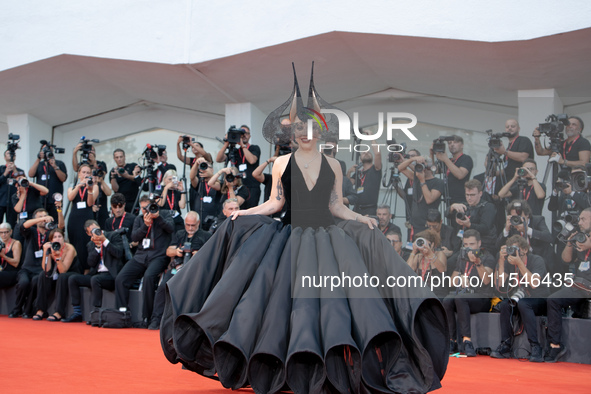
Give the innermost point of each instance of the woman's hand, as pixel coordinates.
(235, 214)
(371, 223)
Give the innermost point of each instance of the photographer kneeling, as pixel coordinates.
(427, 259)
(519, 278)
(472, 280)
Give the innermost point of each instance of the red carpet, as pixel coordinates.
(73, 358)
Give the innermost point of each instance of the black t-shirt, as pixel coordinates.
(211, 201)
(455, 185)
(128, 187)
(197, 241)
(246, 168)
(409, 190)
(7, 188)
(521, 144)
(469, 269)
(33, 249)
(529, 194)
(536, 265)
(125, 221)
(32, 202)
(368, 190)
(570, 150)
(418, 217)
(47, 177)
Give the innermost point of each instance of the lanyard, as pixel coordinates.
(509, 148)
(170, 201)
(528, 194)
(564, 151)
(454, 161)
(241, 155)
(207, 189)
(148, 232)
(82, 192)
(40, 241)
(362, 178)
(121, 222)
(466, 271)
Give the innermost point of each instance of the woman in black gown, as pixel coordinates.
(242, 310)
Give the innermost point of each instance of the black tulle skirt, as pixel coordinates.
(240, 311)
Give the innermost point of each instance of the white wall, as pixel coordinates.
(193, 31)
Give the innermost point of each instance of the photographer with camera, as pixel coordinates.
(518, 278)
(246, 159)
(525, 186)
(564, 200)
(10, 256)
(58, 263)
(50, 173)
(518, 150)
(153, 230)
(473, 291)
(173, 197)
(475, 214)
(204, 199)
(395, 238)
(187, 142)
(82, 197)
(457, 168)
(574, 294)
(576, 150)
(185, 243)
(385, 219)
(428, 193)
(119, 217)
(28, 196)
(427, 259)
(105, 259)
(8, 174)
(227, 181)
(162, 165)
(450, 243)
(125, 178)
(521, 221)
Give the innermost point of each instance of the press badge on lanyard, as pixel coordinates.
(584, 266)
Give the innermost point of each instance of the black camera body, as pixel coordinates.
(24, 182)
(516, 220)
(187, 141)
(152, 152)
(464, 253)
(230, 178)
(578, 237)
(512, 250)
(566, 229)
(90, 181)
(86, 148)
(187, 253)
(554, 129)
(463, 215)
(98, 173)
(439, 144)
(2, 245)
(56, 246)
(12, 145)
(494, 141)
(234, 135)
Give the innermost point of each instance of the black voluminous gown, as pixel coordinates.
(242, 312)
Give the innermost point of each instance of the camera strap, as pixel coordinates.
(528, 194)
(466, 271)
(564, 151)
(454, 162)
(170, 201)
(40, 240)
(508, 149)
(121, 222)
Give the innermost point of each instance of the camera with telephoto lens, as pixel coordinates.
(121, 170)
(50, 226)
(12, 145)
(421, 243)
(419, 167)
(521, 172)
(23, 182)
(518, 294)
(153, 207)
(180, 260)
(512, 250)
(561, 185)
(462, 215)
(187, 141)
(86, 148)
(56, 246)
(581, 181)
(399, 156)
(516, 220)
(97, 232)
(464, 253)
(234, 135)
(203, 166)
(566, 230)
(89, 181)
(554, 128)
(152, 152)
(230, 178)
(494, 140)
(439, 144)
(578, 237)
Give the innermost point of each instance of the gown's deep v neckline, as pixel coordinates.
(310, 190)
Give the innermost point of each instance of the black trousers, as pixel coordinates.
(45, 286)
(563, 298)
(134, 270)
(97, 282)
(160, 298)
(459, 307)
(528, 309)
(8, 279)
(26, 290)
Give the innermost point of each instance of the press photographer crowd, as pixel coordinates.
(480, 241)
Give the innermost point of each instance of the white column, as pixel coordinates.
(31, 130)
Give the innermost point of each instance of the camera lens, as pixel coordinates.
(56, 246)
(23, 183)
(515, 220)
(97, 231)
(50, 226)
(153, 208)
(203, 166)
(521, 172)
(420, 242)
(461, 216)
(419, 167)
(230, 178)
(121, 170)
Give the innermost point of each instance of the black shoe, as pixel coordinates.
(536, 354)
(469, 349)
(74, 318)
(453, 347)
(502, 351)
(15, 313)
(154, 324)
(140, 324)
(555, 353)
(26, 316)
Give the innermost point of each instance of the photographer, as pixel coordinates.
(247, 161)
(105, 259)
(476, 214)
(82, 197)
(125, 178)
(50, 173)
(28, 197)
(385, 219)
(458, 167)
(368, 184)
(153, 230)
(10, 257)
(575, 294)
(58, 263)
(395, 239)
(120, 218)
(519, 277)
(34, 232)
(427, 260)
(518, 150)
(7, 188)
(564, 199)
(99, 170)
(162, 165)
(520, 221)
(473, 292)
(231, 187)
(185, 243)
(450, 243)
(196, 147)
(173, 197)
(525, 186)
(204, 199)
(576, 150)
(428, 193)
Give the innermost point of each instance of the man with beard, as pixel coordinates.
(458, 168)
(368, 182)
(385, 219)
(125, 178)
(575, 151)
(517, 151)
(533, 191)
